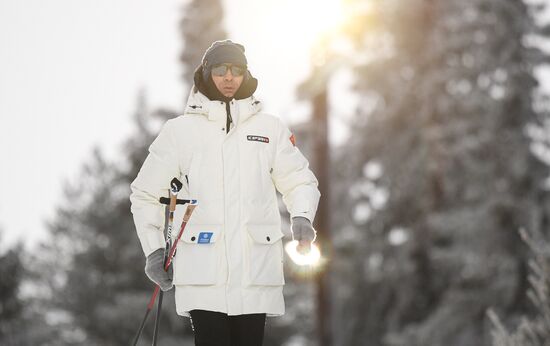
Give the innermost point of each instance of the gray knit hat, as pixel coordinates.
(221, 52)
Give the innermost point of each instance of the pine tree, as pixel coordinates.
(442, 169)
(11, 306)
(201, 24)
(531, 331)
(91, 265)
(21, 320)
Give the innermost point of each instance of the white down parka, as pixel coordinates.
(230, 257)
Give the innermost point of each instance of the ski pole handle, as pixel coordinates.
(175, 187)
(188, 212)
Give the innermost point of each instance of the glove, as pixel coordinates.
(154, 268)
(303, 232)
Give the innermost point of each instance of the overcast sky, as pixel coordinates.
(70, 72)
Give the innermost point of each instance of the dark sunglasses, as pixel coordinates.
(221, 70)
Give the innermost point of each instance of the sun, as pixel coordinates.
(302, 22)
(320, 16)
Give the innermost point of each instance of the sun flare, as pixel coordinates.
(310, 259)
(305, 21)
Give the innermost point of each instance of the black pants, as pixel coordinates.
(218, 329)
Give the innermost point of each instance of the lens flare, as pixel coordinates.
(310, 259)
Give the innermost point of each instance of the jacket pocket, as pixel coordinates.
(265, 255)
(197, 255)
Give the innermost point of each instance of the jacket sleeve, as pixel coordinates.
(152, 182)
(293, 178)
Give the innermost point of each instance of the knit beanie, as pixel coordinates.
(221, 52)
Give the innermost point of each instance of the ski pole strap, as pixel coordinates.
(166, 200)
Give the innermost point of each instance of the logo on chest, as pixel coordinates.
(257, 138)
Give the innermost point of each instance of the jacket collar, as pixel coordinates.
(198, 103)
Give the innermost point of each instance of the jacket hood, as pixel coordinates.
(208, 88)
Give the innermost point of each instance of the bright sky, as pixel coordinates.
(70, 72)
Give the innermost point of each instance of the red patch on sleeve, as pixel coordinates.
(292, 140)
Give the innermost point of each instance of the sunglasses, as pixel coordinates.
(221, 70)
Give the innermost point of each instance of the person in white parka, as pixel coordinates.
(232, 158)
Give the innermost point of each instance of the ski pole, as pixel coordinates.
(191, 206)
(175, 187)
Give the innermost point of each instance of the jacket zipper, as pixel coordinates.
(229, 120)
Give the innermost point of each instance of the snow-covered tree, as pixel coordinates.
(442, 172)
(532, 330)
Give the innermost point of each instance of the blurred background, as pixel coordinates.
(425, 121)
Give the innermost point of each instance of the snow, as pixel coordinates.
(362, 213)
(379, 198)
(397, 236)
(372, 170)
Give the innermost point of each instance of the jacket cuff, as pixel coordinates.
(303, 206)
(151, 240)
(307, 215)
